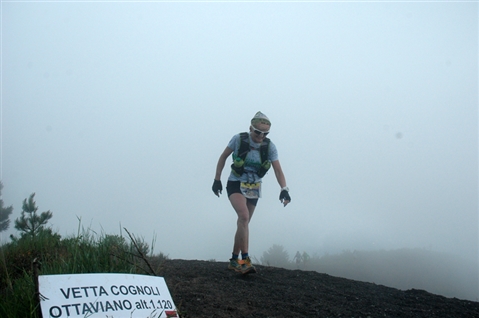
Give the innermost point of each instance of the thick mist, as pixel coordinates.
(115, 115)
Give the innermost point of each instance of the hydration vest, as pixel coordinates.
(238, 160)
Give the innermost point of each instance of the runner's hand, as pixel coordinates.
(217, 187)
(284, 197)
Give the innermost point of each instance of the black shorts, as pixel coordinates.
(234, 187)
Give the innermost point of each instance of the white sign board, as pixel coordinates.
(105, 295)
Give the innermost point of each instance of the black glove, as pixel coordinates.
(284, 196)
(217, 187)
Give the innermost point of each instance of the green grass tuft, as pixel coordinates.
(86, 252)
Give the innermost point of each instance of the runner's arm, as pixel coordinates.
(278, 171)
(281, 180)
(221, 162)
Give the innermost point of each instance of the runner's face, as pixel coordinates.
(261, 127)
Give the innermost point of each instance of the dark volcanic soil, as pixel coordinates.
(208, 289)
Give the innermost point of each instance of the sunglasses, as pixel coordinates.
(259, 132)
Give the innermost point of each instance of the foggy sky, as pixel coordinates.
(116, 114)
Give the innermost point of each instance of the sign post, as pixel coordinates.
(105, 295)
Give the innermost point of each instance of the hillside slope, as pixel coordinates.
(207, 289)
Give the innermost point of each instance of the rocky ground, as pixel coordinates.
(208, 289)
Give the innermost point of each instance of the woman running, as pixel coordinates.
(253, 155)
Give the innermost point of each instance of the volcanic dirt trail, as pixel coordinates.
(208, 289)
